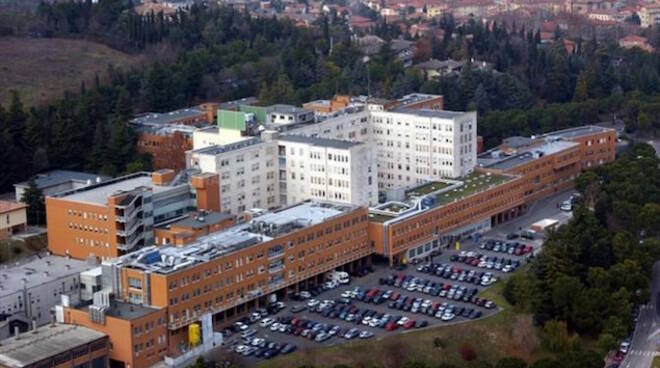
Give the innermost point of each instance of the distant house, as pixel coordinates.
(436, 68)
(360, 24)
(57, 181)
(13, 218)
(633, 41)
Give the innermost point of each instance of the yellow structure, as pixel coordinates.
(193, 334)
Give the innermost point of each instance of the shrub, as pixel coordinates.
(467, 352)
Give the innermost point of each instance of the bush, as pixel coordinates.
(467, 352)
(439, 343)
(511, 363)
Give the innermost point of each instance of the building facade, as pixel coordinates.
(326, 169)
(118, 216)
(57, 345)
(224, 274)
(13, 218)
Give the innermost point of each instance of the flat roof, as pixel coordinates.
(169, 259)
(45, 342)
(452, 191)
(287, 109)
(202, 220)
(578, 131)
(222, 148)
(36, 271)
(57, 177)
(167, 118)
(126, 311)
(533, 153)
(441, 114)
(319, 142)
(98, 194)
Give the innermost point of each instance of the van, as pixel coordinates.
(339, 277)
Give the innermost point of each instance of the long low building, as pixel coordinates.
(222, 275)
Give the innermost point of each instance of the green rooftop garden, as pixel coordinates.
(428, 188)
(472, 184)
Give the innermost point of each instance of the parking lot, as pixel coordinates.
(437, 291)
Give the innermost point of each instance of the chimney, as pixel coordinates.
(34, 326)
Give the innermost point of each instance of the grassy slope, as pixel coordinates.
(504, 334)
(42, 69)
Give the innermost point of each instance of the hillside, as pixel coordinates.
(42, 69)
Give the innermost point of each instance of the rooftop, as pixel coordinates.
(202, 220)
(57, 177)
(126, 311)
(233, 105)
(9, 206)
(44, 342)
(165, 260)
(437, 194)
(577, 132)
(498, 160)
(168, 118)
(218, 149)
(281, 108)
(319, 142)
(415, 98)
(440, 114)
(99, 193)
(35, 271)
(427, 188)
(472, 184)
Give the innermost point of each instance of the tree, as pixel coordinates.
(556, 337)
(33, 197)
(606, 342)
(581, 92)
(511, 362)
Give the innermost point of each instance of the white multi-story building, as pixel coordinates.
(247, 170)
(326, 169)
(378, 146)
(411, 145)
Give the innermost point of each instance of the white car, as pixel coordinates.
(366, 321)
(624, 347)
(507, 269)
(240, 349)
(402, 321)
(566, 206)
(347, 294)
(305, 294)
(258, 342)
(241, 326)
(448, 317)
(266, 322)
(312, 303)
(275, 326)
(366, 334)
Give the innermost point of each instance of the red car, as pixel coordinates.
(391, 326)
(395, 296)
(408, 325)
(372, 293)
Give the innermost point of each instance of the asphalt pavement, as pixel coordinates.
(646, 337)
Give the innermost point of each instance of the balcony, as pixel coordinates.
(129, 231)
(130, 216)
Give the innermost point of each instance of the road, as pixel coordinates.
(647, 330)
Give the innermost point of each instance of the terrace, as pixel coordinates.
(436, 194)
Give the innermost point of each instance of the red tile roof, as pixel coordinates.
(9, 206)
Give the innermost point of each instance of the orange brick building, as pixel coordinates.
(227, 273)
(117, 216)
(550, 163)
(432, 215)
(137, 334)
(167, 147)
(189, 229)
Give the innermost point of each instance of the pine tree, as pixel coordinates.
(581, 88)
(34, 198)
